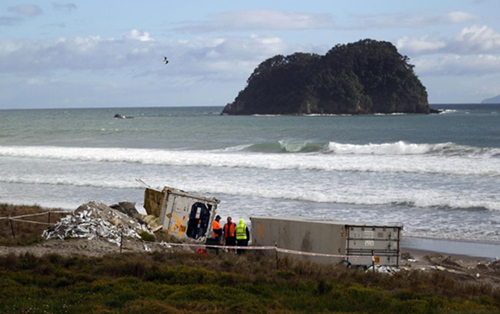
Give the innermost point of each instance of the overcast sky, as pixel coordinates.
(96, 53)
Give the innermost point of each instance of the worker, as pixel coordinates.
(230, 232)
(242, 235)
(217, 230)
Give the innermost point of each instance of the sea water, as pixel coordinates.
(438, 175)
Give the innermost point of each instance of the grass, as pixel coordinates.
(24, 233)
(186, 282)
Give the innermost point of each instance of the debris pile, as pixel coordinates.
(383, 269)
(99, 220)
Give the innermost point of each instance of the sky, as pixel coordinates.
(109, 53)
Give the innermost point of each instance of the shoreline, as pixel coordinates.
(459, 248)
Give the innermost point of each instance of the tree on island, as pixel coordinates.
(365, 77)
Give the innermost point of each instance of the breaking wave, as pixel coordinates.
(410, 199)
(396, 148)
(403, 148)
(380, 158)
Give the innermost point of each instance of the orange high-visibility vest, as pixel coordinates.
(229, 230)
(216, 226)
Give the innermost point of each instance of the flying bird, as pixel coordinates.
(165, 59)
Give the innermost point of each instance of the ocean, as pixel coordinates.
(438, 175)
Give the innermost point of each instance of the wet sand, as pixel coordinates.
(464, 249)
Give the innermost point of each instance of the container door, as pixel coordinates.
(198, 220)
(384, 242)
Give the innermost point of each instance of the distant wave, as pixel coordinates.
(445, 111)
(345, 157)
(287, 147)
(403, 148)
(280, 147)
(409, 199)
(390, 114)
(396, 148)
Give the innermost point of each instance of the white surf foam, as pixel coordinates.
(397, 148)
(265, 185)
(362, 161)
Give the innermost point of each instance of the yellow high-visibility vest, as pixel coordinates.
(241, 232)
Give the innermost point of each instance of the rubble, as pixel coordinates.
(93, 219)
(383, 269)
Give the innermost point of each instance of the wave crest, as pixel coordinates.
(396, 148)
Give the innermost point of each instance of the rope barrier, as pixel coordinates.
(38, 214)
(33, 222)
(222, 247)
(267, 248)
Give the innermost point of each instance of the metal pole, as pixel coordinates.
(276, 246)
(373, 262)
(12, 228)
(49, 218)
(121, 242)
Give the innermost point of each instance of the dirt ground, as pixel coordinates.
(95, 248)
(463, 267)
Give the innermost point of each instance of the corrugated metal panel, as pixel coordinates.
(310, 234)
(383, 241)
(325, 221)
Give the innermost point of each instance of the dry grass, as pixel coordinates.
(24, 233)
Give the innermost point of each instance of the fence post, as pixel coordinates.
(12, 228)
(373, 261)
(49, 218)
(276, 250)
(121, 242)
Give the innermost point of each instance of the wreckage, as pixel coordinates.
(181, 214)
(93, 219)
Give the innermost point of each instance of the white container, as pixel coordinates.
(182, 214)
(357, 243)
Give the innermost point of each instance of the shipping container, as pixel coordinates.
(181, 214)
(356, 243)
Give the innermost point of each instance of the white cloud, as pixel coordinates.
(138, 35)
(459, 17)
(9, 21)
(137, 56)
(471, 40)
(67, 7)
(424, 44)
(404, 20)
(260, 20)
(478, 39)
(26, 10)
(456, 65)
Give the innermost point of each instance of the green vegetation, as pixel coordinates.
(364, 77)
(180, 283)
(175, 282)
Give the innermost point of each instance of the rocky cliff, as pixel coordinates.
(360, 78)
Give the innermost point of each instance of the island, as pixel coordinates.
(493, 100)
(364, 77)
